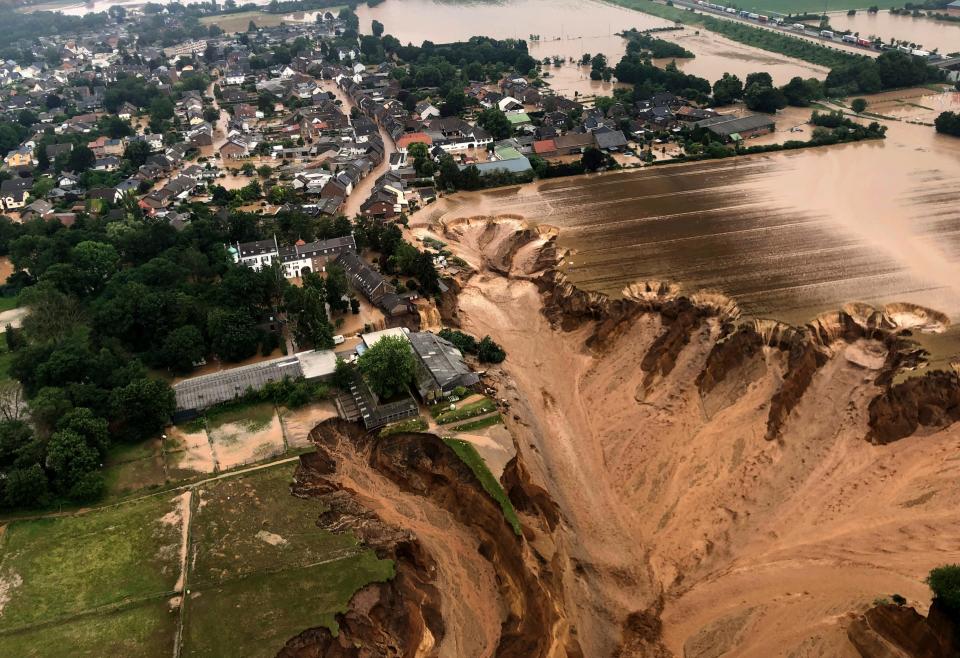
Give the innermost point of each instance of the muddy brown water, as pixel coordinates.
(788, 235)
(570, 28)
(930, 34)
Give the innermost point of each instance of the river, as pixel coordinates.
(926, 32)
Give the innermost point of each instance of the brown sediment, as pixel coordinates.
(893, 631)
(678, 520)
(931, 401)
(465, 583)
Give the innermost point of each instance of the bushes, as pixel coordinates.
(945, 583)
(486, 351)
(948, 123)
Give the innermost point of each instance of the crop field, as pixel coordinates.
(112, 581)
(241, 20)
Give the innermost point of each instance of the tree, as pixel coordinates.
(945, 583)
(25, 487)
(761, 78)
(96, 262)
(137, 153)
(233, 336)
(799, 92)
(764, 99)
(858, 105)
(80, 159)
(376, 27)
(495, 122)
(335, 287)
(948, 123)
(183, 347)
(454, 103)
(69, 458)
(388, 366)
(592, 158)
(490, 352)
(85, 423)
(142, 408)
(727, 89)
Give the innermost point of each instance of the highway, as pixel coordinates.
(811, 34)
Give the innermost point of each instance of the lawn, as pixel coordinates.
(472, 458)
(479, 424)
(417, 424)
(263, 570)
(252, 523)
(462, 412)
(131, 467)
(256, 616)
(57, 567)
(8, 303)
(145, 630)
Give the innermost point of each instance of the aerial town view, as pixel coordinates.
(480, 328)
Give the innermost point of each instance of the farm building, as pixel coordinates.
(733, 129)
(440, 366)
(198, 393)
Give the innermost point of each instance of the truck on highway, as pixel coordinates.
(826, 34)
(799, 27)
(849, 38)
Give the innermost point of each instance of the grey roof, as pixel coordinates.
(441, 365)
(513, 166)
(607, 139)
(257, 248)
(727, 125)
(207, 390)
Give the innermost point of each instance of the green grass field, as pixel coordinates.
(463, 411)
(472, 458)
(105, 582)
(69, 565)
(8, 303)
(252, 523)
(255, 616)
(146, 630)
(479, 424)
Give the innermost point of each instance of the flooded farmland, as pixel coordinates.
(569, 29)
(787, 235)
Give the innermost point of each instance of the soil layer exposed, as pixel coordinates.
(724, 487)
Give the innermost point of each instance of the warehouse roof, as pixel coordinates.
(727, 125)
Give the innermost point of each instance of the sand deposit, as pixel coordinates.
(765, 547)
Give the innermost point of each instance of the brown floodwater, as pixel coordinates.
(570, 28)
(930, 34)
(788, 235)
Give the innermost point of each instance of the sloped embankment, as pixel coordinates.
(465, 583)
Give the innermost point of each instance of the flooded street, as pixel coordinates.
(569, 29)
(788, 235)
(926, 32)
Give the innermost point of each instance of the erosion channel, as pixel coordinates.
(689, 483)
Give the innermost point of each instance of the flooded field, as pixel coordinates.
(787, 235)
(569, 29)
(927, 33)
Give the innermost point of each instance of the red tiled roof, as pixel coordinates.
(544, 146)
(411, 138)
